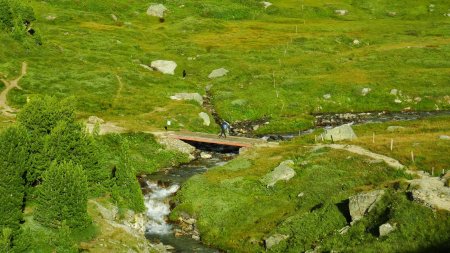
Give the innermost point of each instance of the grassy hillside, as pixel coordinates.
(282, 59)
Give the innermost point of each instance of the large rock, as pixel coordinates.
(163, 66)
(274, 240)
(188, 96)
(363, 203)
(218, 73)
(284, 172)
(344, 132)
(385, 229)
(430, 191)
(205, 117)
(156, 10)
(177, 145)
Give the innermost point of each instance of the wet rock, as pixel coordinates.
(156, 10)
(363, 203)
(365, 91)
(218, 73)
(385, 229)
(95, 120)
(444, 137)
(165, 67)
(341, 12)
(188, 96)
(205, 155)
(274, 240)
(395, 128)
(344, 132)
(284, 172)
(205, 117)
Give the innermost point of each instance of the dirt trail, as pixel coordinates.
(5, 109)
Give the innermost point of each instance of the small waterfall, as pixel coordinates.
(158, 209)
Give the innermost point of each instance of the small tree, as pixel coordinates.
(63, 197)
(13, 160)
(126, 190)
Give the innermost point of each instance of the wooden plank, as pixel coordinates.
(212, 140)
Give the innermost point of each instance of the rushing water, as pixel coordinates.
(159, 187)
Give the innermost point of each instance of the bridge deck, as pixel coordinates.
(214, 139)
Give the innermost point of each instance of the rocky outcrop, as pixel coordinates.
(363, 203)
(163, 66)
(284, 172)
(188, 96)
(430, 191)
(274, 240)
(344, 132)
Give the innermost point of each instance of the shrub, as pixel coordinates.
(63, 197)
(13, 159)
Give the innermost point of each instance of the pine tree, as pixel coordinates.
(13, 160)
(127, 191)
(62, 196)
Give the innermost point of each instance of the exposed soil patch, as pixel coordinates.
(5, 109)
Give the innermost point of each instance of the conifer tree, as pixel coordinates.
(13, 160)
(62, 196)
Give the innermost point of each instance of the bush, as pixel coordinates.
(63, 197)
(16, 18)
(13, 159)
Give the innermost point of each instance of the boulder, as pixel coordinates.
(283, 171)
(341, 12)
(395, 128)
(188, 96)
(163, 66)
(266, 4)
(363, 203)
(274, 240)
(156, 10)
(344, 132)
(365, 91)
(177, 145)
(95, 120)
(205, 117)
(218, 73)
(430, 191)
(444, 137)
(385, 229)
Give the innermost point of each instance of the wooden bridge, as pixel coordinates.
(215, 139)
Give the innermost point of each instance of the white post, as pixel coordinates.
(412, 156)
(392, 144)
(373, 137)
(432, 171)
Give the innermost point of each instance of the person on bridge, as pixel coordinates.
(224, 128)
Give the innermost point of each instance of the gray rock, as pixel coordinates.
(188, 96)
(394, 92)
(205, 155)
(431, 192)
(177, 145)
(395, 128)
(163, 66)
(365, 91)
(341, 12)
(363, 203)
(218, 73)
(356, 42)
(344, 132)
(283, 171)
(156, 10)
(274, 240)
(444, 137)
(385, 229)
(327, 96)
(205, 117)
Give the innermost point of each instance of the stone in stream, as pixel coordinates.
(284, 172)
(163, 66)
(205, 117)
(344, 132)
(363, 203)
(218, 73)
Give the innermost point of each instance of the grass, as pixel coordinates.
(282, 60)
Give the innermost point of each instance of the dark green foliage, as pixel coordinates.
(16, 18)
(42, 114)
(13, 160)
(126, 190)
(63, 196)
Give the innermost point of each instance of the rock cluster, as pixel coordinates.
(187, 227)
